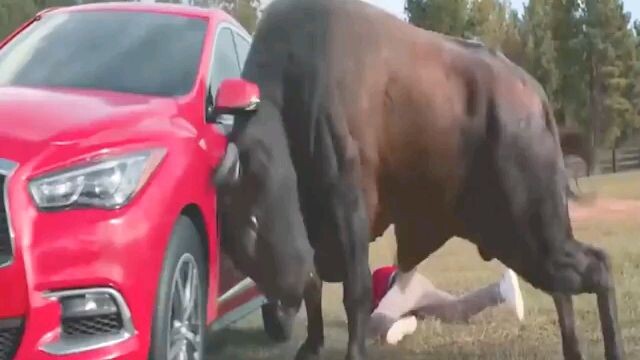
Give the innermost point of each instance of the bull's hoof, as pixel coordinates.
(573, 356)
(277, 324)
(356, 355)
(309, 352)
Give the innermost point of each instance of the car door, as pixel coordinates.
(233, 286)
(243, 45)
(225, 65)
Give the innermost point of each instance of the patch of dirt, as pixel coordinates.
(604, 209)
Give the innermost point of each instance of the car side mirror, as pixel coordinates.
(235, 96)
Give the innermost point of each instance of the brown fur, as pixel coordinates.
(389, 124)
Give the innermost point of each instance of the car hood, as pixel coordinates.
(36, 121)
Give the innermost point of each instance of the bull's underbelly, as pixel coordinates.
(330, 268)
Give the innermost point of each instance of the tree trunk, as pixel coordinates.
(613, 160)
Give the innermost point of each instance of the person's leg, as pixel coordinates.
(390, 318)
(414, 294)
(410, 291)
(463, 308)
(510, 290)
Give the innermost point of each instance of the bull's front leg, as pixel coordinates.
(353, 232)
(566, 320)
(577, 269)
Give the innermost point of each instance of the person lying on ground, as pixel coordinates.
(399, 301)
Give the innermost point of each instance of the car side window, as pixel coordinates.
(225, 60)
(243, 46)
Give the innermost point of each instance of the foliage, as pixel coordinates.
(609, 48)
(585, 53)
(15, 12)
(539, 47)
(487, 20)
(445, 16)
(570, 97)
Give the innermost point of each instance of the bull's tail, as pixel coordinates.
(574, 142)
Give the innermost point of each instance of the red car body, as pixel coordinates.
(47, 129)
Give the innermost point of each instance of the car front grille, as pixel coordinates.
(107, 324)
(10, 335)
(5, 236)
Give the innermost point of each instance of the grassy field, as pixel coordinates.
(611, 221)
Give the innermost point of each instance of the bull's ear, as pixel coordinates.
(228, 172)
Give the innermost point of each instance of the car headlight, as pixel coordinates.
(108, 183)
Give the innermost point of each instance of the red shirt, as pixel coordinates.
(382, 280)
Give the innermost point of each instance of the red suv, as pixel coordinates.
(108, 230)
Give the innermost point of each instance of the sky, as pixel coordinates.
(397, 6)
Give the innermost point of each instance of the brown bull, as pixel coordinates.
(367, 121)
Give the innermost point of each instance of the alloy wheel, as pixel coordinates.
(185, 335)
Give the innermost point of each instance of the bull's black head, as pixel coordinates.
(262, 228)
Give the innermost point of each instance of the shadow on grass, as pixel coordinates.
(505, 351)
(233, 338)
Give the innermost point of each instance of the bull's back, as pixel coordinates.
(412, 104)
(439, 97)
(393, 99)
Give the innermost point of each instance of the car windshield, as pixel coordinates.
(124, 51)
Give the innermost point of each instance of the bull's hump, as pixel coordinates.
(470, 43)
(499, 62)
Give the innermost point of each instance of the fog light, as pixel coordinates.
(88, 305)
(91, 318)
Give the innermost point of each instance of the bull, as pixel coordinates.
(366, 121)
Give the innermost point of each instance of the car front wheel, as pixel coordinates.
(179, 321)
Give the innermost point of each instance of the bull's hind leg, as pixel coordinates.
(603, 285)
(577, 269)
(315, 326)
(566, 319)
(417, 235)
(417, 239)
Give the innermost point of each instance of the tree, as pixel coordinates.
(493, 22)
(205, 3)
(444, 16)
(610, 53)
(512, 45)
(566, 27)
(634, 92)
(13, 13)
(539, 51)
(43, 4)
(487, 20)
(247, 14)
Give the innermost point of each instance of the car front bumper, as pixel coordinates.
(75, 252)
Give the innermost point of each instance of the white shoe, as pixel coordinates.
(401, 328)
(510, 291)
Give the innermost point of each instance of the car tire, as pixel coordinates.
(179, 323)
(277, 325)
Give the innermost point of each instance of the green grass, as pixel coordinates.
(493, 334)
(621, 186)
